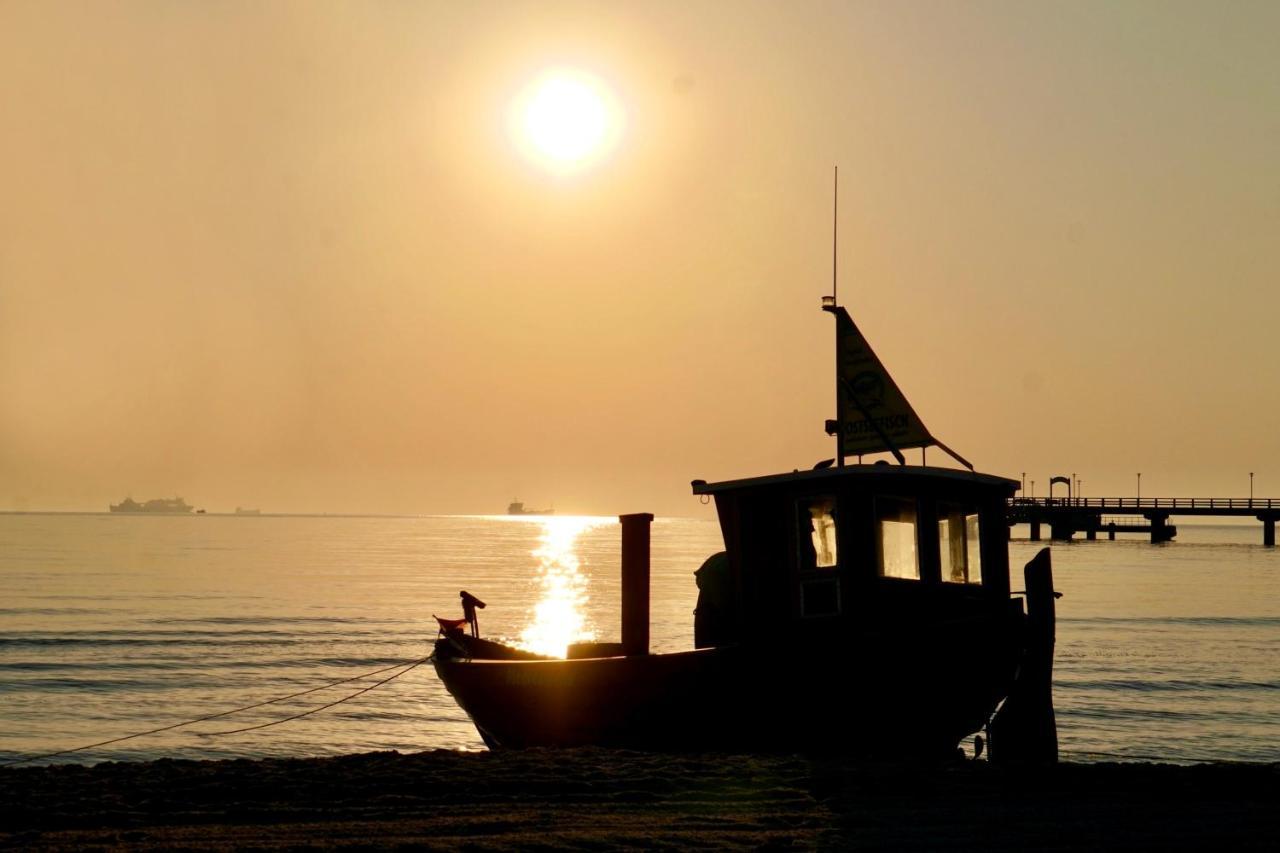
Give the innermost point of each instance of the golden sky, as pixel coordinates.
(293, 255)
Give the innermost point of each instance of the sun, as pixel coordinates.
(566, 120)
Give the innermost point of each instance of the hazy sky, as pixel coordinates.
(290, 255)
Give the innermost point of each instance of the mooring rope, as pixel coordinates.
(362, 691)
(408, 665)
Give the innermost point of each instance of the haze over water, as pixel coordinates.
(313, 257)
(113, 625)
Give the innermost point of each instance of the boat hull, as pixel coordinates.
(891, 702)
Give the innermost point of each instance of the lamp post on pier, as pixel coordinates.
(1024, 484)
(1250, 488)
(1139, 487)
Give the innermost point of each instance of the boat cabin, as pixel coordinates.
(850, 549)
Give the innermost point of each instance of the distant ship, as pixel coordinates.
(153, 505)
(243, 511)
(517, 508)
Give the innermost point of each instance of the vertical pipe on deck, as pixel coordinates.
(635, 582)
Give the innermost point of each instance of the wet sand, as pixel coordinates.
(597, 799)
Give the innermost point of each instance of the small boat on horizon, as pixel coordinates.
(517, 508)
(864, 609)
(245, 511)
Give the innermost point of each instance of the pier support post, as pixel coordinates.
(1161, 530)
(1061, 531)
(1268, 530)
(1091, 534)
(1035, 530)
(635, 582)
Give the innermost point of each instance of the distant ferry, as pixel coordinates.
(243, 511)
(153, 505)
(517, 508)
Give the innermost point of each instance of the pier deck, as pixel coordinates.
(1069, 516)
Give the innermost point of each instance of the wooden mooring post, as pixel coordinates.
(1025, 729)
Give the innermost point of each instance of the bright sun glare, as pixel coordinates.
(566, 119)
(560, 616)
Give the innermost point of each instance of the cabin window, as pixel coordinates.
(817, 557)
(817, 539)
(959, 552)
(896, 538)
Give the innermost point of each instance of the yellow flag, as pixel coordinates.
(874, 415)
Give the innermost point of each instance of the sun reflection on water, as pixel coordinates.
(559, 617)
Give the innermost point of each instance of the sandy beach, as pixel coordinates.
(596, 799)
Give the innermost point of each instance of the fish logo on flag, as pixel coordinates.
(874, 414)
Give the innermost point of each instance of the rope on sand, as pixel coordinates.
(1135, 756)
(408, 665)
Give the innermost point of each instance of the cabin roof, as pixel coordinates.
(874, 476)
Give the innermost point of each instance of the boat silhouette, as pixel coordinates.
(858, 608)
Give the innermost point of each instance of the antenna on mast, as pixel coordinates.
(830, 303)
(835, 228)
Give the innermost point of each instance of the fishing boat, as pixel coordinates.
(859, 608)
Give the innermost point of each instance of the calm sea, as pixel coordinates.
(111, 625)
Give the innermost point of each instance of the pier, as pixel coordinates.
(1065, 517)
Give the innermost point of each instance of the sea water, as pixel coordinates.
(116, 624)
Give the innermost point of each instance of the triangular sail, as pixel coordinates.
(874, 415)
